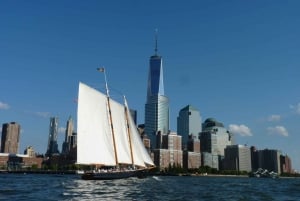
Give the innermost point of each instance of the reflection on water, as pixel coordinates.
(105, 190)
(71, 187)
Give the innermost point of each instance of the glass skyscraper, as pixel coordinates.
(52, 141)
(189, 123)
(157, 104)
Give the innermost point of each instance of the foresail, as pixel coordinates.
(94, 139)
(140, 155)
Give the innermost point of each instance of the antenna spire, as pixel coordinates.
(156, 30)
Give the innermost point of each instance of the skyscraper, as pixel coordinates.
(69, 132)
(52, 141)
(215, 137)
(189, 123)
(10, 138)
(237, 157)
(157, 104)
(213, 140)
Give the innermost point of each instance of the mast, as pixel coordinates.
(128, 131)
(102, 69)
(155, 50)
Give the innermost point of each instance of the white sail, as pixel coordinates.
(120, 132)
(95, 143)
(94, 140)
(140, 155)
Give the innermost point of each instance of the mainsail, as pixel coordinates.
(95, 143)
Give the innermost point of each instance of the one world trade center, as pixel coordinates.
(157, 105)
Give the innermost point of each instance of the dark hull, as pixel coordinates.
(113, 175)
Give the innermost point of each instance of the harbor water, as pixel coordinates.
(210, 188)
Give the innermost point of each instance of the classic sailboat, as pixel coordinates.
(108, 137)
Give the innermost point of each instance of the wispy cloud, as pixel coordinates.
(274, 117)
(278, 130)
(61, 130)
(241, 130)
(42, 114)
(4, 106)
(296, 108)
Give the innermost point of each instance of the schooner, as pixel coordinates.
(108, 137)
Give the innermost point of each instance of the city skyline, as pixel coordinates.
(235, 61)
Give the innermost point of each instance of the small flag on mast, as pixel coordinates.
(101, 69)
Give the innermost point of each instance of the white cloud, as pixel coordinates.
(61, 130)
(241, 130)
(274, 117)
(4, 106)
(278, 130)
(296, 108)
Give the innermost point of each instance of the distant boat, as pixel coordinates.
(261, 173)
(108, 138)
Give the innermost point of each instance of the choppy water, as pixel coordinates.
(71, 187)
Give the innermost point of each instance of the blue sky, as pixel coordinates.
(236, 61)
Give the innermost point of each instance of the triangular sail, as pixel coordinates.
(140, 155)
(94, 140)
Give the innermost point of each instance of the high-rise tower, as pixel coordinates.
(10, 138)
(52, 141)
(68, 136)
(157, 105)
(189, 124)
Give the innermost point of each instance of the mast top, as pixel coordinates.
(102, 70)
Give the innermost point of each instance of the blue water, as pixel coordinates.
(71, 187)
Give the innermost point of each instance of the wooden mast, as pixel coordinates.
(110, 116)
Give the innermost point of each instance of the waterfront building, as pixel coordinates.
(169, 151)
(29, 151)
(210, 160)
(157, 104)
(191, 160)
(285, 164)
(189, 124)
(10, 138)
(193, 145)
(19, 162)
(192, 155)
(254, 158)
(237, 157)
(52, 148)
(214, 137)
(269, 159)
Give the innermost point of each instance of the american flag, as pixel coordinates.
(101, 69)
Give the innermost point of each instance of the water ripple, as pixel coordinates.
(72, 188)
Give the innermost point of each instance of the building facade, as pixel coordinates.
(189, 124)
(237, 157)
(69, 135)
(269, 159)
(215, 137)
(170, 151)
(157, 104)
(10, 138)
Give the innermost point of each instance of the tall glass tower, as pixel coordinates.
(52, 140)
(189, 124)
(157, 105)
